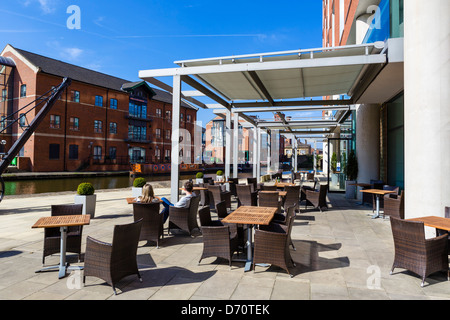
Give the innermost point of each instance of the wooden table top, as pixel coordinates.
(62, 221)
(284, 184)
(133, 200)
(196, 188)
(434, 222)
(280, 193)
(251, 215)
(378, 191)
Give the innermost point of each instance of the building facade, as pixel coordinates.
(101, 122)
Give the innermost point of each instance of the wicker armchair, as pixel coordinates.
(416, 253)
(272, 246)
(221, 209)
(112, 262)
(233, 183)
(268, 188)
(253, 182)
(270, 199)
(318, 199)
(52, 236)
(304, 188)
(290, 217)
(203, 194)
(292, 196)
(184, 218)
(310, 176)
(152, 221)
(216, 195)
(245, 196)
(394, 206)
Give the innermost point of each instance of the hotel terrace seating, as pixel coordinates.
(246, 197)
(318, 199)
(152, 221)
(184, 218)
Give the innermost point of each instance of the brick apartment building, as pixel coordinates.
(101, 122)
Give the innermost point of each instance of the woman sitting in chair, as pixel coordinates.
(148, 195)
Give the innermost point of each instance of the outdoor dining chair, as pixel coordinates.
(269, 188)
(394, 205)
(113, 261)
(152, 221)
(219, 240)
(272, 246)
(414, 252)
(216, 195)
(317, 199)
(184, 218)
(253, 182)
(246, 197)
(292, 196)
(52, 236)
(382, 199)
(270, 199)
(221, 209)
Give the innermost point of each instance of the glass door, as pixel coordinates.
(337, 161)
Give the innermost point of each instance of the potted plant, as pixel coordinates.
(85, 196)
(136, 189)
(199, 177)
(333, 167)
(219, 175)
(351, 171)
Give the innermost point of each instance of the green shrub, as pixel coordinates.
(85, 189)
(352, 166)
(219, 173)
(199, 175)
(139, 182)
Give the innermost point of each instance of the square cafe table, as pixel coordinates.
(434, 222)
(378, 193)
(63, 222)
(250, 215)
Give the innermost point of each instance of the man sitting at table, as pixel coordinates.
(183, 203)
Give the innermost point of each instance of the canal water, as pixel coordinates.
(35, 186)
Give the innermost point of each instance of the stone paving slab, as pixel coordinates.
(341, 254)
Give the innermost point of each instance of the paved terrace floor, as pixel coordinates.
(341, 254)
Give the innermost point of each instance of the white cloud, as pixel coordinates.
(72, 53)
(47, 6)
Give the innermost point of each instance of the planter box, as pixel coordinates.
(136, 192)
(199, 180)
(350, 191)
(88, 203)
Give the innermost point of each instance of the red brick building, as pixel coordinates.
(101, 122)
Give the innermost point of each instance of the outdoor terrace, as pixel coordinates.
(340, 254)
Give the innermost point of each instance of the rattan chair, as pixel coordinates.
(112, 262)
(394, 206)
(184, 218)
(233, 183)
(152, 221)
(253, 182)
(317, 199)
(272, 246)
(269, 188)
(290, 213)
(52, 236)
(310, 176)
(219, 240)
(292, 196)
(216, 195)
(203, 194)
(221, 209)
(245, 196)
(304, 188)
(270, 199)
(416, 253)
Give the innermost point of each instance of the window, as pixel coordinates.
(167, 154)
(181, 116)
(158, 133)
(23, 90)
(168, 136)
(112, 127)
(137, 133)
(112, 152)
(113, 103)
(188, 118)
(157, 154)
(23, 120)
(98, 124)
(137, 109)
(4, 94)
(74, 124)
(97, 153)
(75, 96)
(168, 115)
(55, 121)
(53, 152)
(99, 101)
(3, 123)
(73, 152)
(158, 113)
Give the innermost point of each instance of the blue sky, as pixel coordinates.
(122, 37)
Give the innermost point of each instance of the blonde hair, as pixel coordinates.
(147, 193)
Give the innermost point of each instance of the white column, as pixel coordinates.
(269, 148)
(175, 155)
(427, 111)
(367, 143)
(227, 143)
(255, 151)
(235, 144)
(258, 154)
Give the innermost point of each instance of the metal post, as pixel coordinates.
(235, 145)
(175, 156)
(255, 151)
(227, 143)
(258, 154)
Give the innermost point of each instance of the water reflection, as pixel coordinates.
(71, 184)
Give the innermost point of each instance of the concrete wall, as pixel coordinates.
(427, 111)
